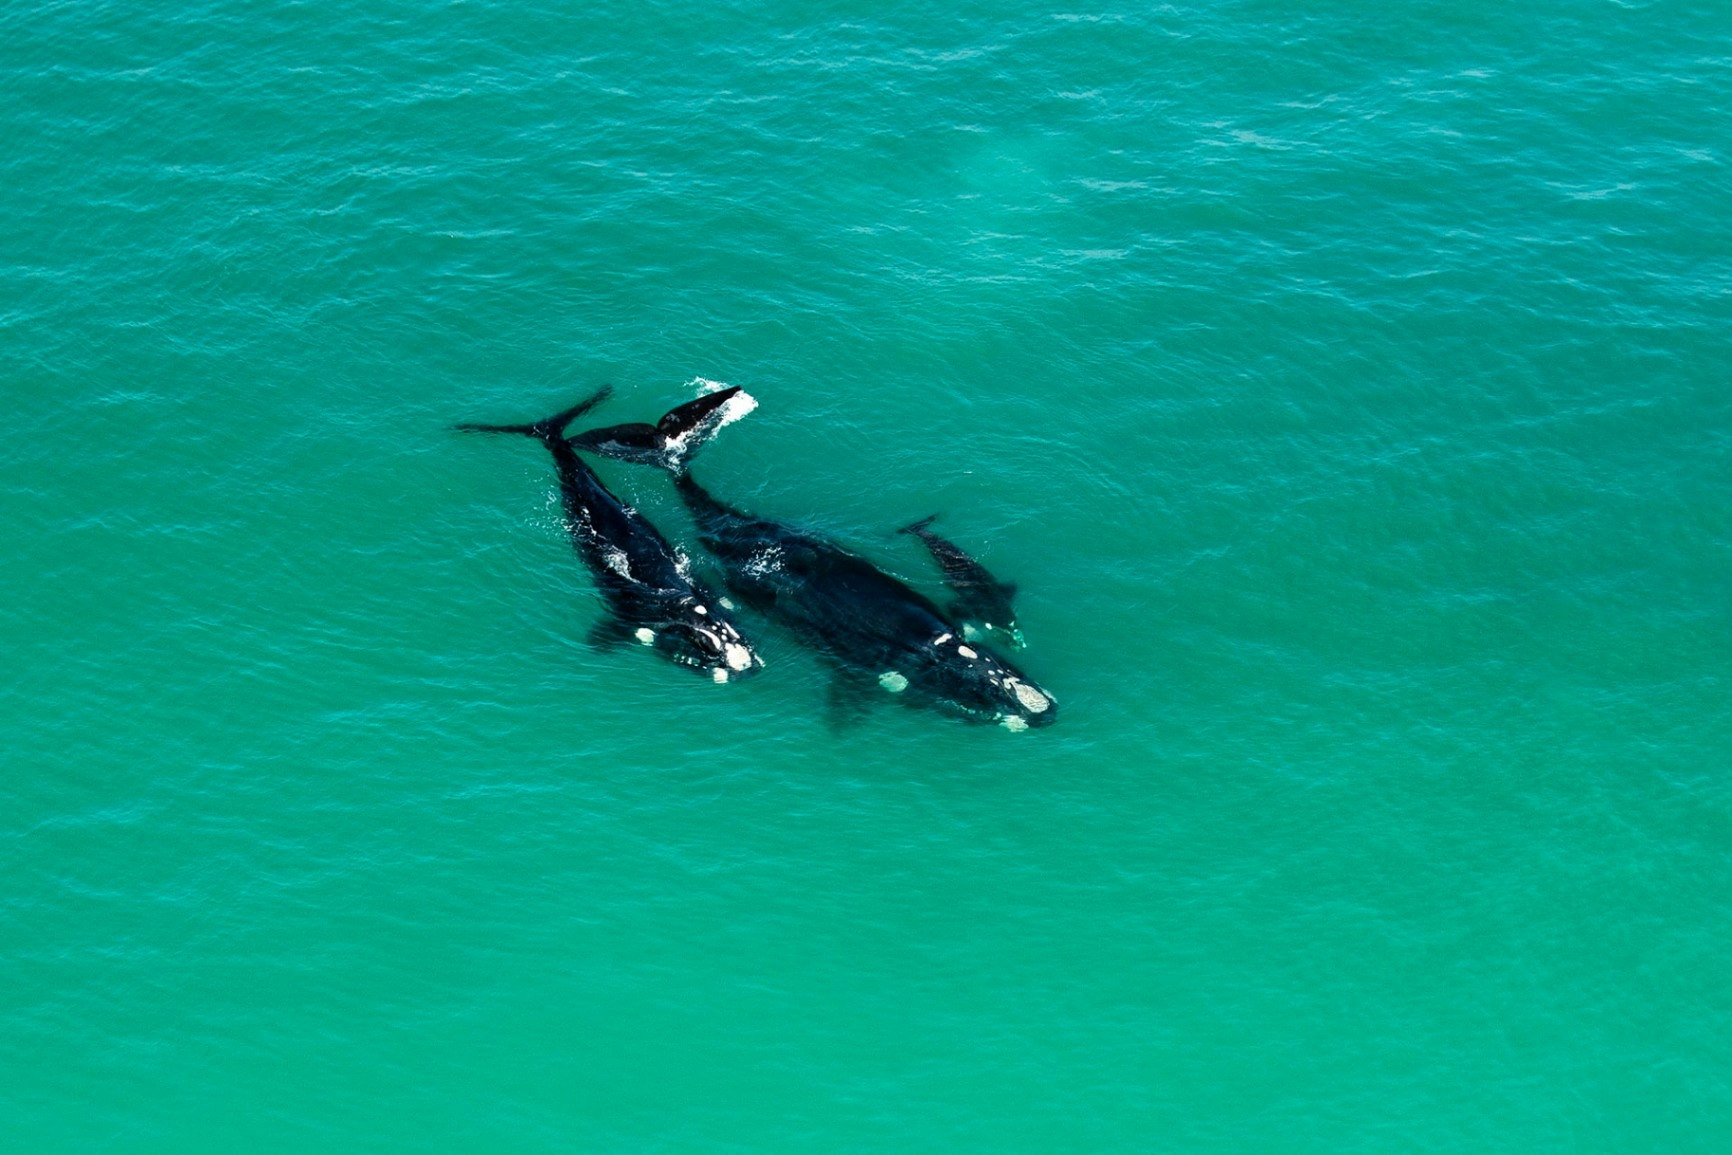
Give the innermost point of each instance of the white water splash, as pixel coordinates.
(737, 407)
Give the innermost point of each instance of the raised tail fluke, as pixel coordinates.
(673, 441)
(548, 428)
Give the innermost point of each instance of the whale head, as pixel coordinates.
(977, 683)
(697, 634)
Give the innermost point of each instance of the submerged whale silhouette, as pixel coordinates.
(870, 624)
(982, 602)
(650, 595)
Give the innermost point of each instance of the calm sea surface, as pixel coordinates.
(1345, 387)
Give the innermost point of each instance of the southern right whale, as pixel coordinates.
(649, 593)
(866, 621)
(981, 600)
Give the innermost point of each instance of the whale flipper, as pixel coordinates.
(635, 442)
(673, 441)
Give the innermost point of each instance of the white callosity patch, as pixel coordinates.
(645, 635)
(719, 674)
(701, 610)
(1014, 724)
(967, 653)
(738, 656)
(1033, 699)
(727, 604)
(893, 681)
(941, 639)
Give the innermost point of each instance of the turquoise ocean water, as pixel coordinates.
(1346, 388)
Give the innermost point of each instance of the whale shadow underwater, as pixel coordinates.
(870, 625)
(645, 582)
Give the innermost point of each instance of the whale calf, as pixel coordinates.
(870, 624)
(982, 602)
(651, 597)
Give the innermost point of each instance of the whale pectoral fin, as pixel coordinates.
(610, 633)
(846, 702)
(670, 443)
(682, 419)
(634, 442)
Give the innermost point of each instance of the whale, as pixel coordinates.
(871, 626)
(982, 603)
(646, 584)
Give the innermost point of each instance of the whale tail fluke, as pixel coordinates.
(548, 428)
(673, 441)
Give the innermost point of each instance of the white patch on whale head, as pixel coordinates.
(726, 604)
(645, 635)
(1015, 724)
(705, 610)
(941, 639)
(739, 657)
(719, 674)
(967, 653)
(1030, 697)
(892, 681)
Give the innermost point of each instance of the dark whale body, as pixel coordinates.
(642, 578)
(867, 622)
(982, 601)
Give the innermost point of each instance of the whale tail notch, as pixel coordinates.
(548, 429)
(673, 441)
